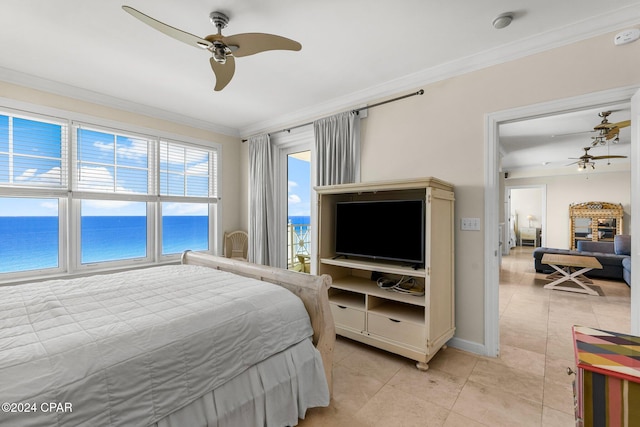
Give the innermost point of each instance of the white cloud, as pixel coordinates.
(294, 199)
(137, 150)
(103, 205)
(199, 169)
(291, 185)
(185, 209)
(52, 176)
(50, 205)
(95, 179)
(98, 179)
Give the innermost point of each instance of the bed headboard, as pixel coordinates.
(312, 290)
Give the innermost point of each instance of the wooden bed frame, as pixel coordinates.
(312, 290)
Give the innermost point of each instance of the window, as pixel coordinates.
(112, 230)
(31, 152)
(112, 163)
(75, 196)
(184, 171)
(184, 226)
(30, 234)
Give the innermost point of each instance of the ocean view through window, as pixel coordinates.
(77, 197)
(184, 226)
(29, 234)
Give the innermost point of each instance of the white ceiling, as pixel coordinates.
(352, 52)
(555, 141)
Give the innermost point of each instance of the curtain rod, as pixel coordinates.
(420, 92)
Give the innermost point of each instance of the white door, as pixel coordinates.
(298, 212)
(295, 195)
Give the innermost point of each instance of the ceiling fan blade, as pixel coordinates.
(252, 43)
(623, 124)
(169, 30)
(613, 133)
(604, 126)
(224, 72)
(608, 157)
(572, 133)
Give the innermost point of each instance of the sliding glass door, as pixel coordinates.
(299, 211)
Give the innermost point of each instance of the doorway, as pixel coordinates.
(525, 211)
(296, 199)
(299, 211)
(492, 186)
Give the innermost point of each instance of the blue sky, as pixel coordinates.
(299, 187)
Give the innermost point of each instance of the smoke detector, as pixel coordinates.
(503, 20)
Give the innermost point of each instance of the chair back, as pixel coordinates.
(236, 245)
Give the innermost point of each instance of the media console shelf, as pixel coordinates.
(415, 327)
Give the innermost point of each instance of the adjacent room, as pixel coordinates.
(347, 214)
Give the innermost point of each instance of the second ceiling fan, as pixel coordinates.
(588, 160)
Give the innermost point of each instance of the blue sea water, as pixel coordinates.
(31, 243)
(300, 223)
(28, 243)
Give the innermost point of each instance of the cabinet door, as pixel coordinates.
(439, 253)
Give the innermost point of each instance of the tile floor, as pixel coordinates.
(526, 386)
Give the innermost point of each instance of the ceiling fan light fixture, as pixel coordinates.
(502, 21)
(219, 54)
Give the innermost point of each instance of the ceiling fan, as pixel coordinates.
(588, 160)
(606, 130)
(223, 48)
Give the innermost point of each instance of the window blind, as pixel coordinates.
(187, 171)
(110, 162)
(33, 152)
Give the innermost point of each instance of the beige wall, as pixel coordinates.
(441, 134)
(231, 174)
(563, 190)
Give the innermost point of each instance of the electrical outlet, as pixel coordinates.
(470, 224)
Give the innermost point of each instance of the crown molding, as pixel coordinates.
(70, 91)
(605, 23)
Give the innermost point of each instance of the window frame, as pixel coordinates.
(70, 198)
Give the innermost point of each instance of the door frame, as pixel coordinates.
(297, 140)
(492, 189)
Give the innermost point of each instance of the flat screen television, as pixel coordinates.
(383, 229)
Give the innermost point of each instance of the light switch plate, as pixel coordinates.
(470, 224)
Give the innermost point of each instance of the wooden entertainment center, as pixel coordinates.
(415, 327)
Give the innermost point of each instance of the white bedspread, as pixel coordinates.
(129, 348)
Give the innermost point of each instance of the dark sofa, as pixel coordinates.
(614, 257)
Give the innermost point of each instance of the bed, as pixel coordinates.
(212, 341)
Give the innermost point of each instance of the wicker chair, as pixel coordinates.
(236, 245)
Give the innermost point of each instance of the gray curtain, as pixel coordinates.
(337, 146)
(262, 203)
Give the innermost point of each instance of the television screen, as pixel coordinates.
(384, 229)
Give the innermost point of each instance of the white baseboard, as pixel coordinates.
(469, 346)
